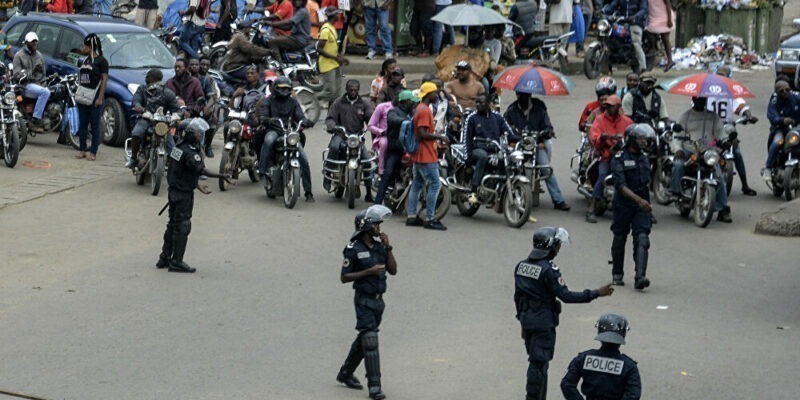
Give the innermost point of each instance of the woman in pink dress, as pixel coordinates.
(377, 125)
(660, 16)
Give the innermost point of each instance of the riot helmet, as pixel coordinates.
(641, 134)
(194, 128)
(283, 87)
(547, 240)
(366, 219)
(605, 86)
(612, 328)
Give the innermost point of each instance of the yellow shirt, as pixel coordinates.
(328, 34)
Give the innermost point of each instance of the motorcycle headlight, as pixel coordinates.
(528, 143)
(353, 141)
(9, 98)
(161, 129)
(517, 156)
(792, 139)
(235, 127)
(603, 25)
(132, 87)
(711, 157)
(293, 139)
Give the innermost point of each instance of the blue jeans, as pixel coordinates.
(41, 94)
(679, 166)
(587, 19)
(191, 38)
(89, 116)
(390, 168)
(543, 157)
(602, 172)
(427, 174)
(771, 153)
(373, 15)
(440, 41)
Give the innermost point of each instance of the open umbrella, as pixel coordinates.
(706, 85)
(534, 80)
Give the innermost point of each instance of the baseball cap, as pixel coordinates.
(647, 77)
(407, 95)
(329, 11)
(426, 89)
(463, 64)
(31, 36)
(613, 100)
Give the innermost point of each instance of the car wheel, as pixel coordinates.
(113, 121)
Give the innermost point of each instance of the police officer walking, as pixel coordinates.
(632, 209)
(606, 373)
(538, 286)
(184, 169)
(367, 259)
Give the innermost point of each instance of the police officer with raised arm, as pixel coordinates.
(538, 287)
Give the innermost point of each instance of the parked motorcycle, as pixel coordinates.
(614, 46)
(397, 195)
(283, 176)
(785, 177)
(585, 166)
(546, 51)
(238, 153)
(503, 187)
(152, 155)
(346, 175)
(62, 97)
(169, 36)
(699, 184)
(9, 124)
(529, 145)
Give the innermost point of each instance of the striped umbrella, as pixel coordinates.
(534, 80)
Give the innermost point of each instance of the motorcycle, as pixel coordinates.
(238, 153)
(785, 177)
(529, 145)
(300, 65)
(152, 155)
(397, 194)
(585, 166)
(169, 36)
(614, 45)
(728, 161)
(699, 184)
(660, 161)
(9, 124)
(503, 187)
(284, 175)
(346, 175)
(546, 51)
(62, 97)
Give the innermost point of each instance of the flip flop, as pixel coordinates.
(91, 157)
(669, 66)
(81, 155)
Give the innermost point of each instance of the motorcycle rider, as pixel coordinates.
(353, 113)
(607, 129)
(149, 97)
(184, 169)
(300, 25)
(726, 109)
(702, 125)
(404, 110)
(241, 52)
(199, 70)
(29, 63)
(281, 105)
(605, 86)
(644, 104)
(615, 377)
(531, 113)
(246, 97)
(632, 209)
(465, 88)
(783, 112)
(631, 82)
(480, 129)
(635, 13)
(187, 88)
(538, 286)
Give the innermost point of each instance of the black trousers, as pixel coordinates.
(179, 225)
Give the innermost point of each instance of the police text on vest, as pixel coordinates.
(603, 364)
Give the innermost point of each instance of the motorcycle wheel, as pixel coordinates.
(217, 56)
(11, 149)
(291, 187)
(225, 168)
(660, 186)
(140, 177)
(563, 67)
(465, 208)
(704, 205)
(728, 178)
(310, 105)
(311, 79)
(74, 140)
(535, 191)
(351, 188)
(593, 63)
(157, 171)
(791, 183)
(23, 133)
(443, 201)
(517, 204)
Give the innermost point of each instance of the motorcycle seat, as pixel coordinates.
(538, 41)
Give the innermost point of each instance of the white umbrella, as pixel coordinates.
(469, 14)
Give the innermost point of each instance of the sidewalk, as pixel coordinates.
(360, 66)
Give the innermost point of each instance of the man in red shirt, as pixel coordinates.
(607, 129)
(606, 86)
(281, 11)
(426, 161)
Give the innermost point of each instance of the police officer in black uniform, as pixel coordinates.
(367, 259)
(538, 286)
(607, 373)
(184, 169)
(632, 209)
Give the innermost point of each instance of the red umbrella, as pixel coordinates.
(534, 80)
(706, 85)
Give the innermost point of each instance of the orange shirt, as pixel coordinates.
(313, 12)
(426, 153)
(284, 11)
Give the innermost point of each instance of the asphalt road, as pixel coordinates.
(86, 315)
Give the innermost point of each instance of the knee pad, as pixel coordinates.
(619, 241)
(184, 227)
(643, 241)
(369, 341)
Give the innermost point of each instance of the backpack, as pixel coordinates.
(407, 137)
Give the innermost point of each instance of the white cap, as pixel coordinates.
(31, 36)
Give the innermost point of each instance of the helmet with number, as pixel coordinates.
(612, 328)
(192, 127)
(640, 131)
(605, 86)
(547, 240)
(366, 219)
(282, 87)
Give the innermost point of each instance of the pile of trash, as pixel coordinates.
(719, 5)
(710, 51)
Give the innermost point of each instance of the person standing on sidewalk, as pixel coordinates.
(93, 75)
(587, 10)
(330, 62)
(422, 27)
(560, 18)
(443, 35)
(660, 25)
(146, 13)
(376, 12)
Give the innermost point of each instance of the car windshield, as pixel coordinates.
(135, 51)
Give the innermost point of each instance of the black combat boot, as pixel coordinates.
(618, 259)
(641, 247)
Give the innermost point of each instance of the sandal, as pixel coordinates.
(669, 66)
(91, 157)
(81, 155)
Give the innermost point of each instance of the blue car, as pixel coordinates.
(131, 51)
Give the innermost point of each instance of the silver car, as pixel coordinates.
(787, 60)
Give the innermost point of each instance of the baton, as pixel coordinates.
(163, 208)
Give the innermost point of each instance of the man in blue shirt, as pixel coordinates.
(635, 11)
(783, 111)
(480, 129)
